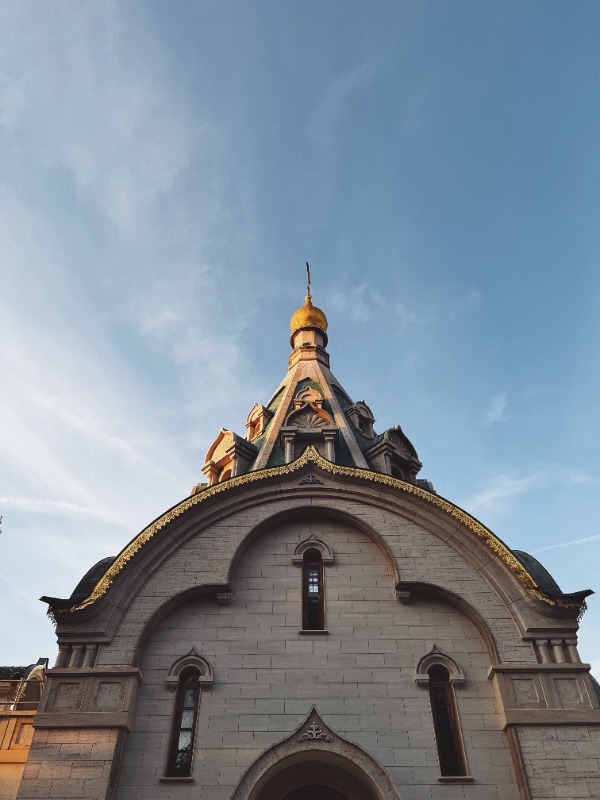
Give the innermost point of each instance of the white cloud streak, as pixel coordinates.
(504, 488)
(324, 121)
(357, 304)
(37, 505)
(570, 543)
(363, 303)
(495, 410)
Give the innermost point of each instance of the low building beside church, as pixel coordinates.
(315, 623)
(20, 692)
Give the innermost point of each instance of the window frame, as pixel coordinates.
(448, 733)
(312, 561)
(191, 666)
(436, 660)
(190, 678)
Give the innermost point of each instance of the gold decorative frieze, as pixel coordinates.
(311, 456)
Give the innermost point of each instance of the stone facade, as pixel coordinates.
(411, 584)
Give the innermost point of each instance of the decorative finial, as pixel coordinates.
(308, 316)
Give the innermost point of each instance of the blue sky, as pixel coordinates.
(167, 169)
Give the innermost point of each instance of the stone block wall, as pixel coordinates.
(523, 679)
(561, 761)
(70, 763)
(360, 675)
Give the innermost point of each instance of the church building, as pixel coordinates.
(314, 622)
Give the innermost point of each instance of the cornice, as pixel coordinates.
(311, 456)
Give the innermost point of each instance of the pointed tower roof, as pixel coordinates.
(311, 407)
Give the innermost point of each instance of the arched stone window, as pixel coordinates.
(445, 723)
(313, 601)
(440, 674)
(188, 676)
(312, 555)
(181, 751)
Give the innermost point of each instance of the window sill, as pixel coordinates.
(320, 632)
(456, 779)
(167, 779)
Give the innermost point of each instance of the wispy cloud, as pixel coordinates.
(361, 303)
(36, 505)
(443, 304)
(576, 476)
(406, 317)
(323, 122)
(122, 133)
(570, 543)
(357, 304)
(461, 302)
(502, 489)
(12, 103)
(495, 410)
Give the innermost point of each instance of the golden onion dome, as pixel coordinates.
(308, 316)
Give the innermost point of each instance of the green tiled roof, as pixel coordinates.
(363, 441)
(90, 579)
(277, 457)
(538, 572)
(276, 400)
(343, 399)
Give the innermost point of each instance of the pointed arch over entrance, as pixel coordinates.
(315, 763)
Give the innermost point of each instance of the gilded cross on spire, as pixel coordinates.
(308, 278)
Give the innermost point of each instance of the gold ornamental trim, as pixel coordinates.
(311, 455)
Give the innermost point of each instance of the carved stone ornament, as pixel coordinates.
(311, 479)
(308, 395)
(309, 417)
(315, 733)
(308, 410)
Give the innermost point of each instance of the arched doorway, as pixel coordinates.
(314, 793)
(315, 763)
(320, 778)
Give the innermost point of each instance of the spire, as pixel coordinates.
(310, 407)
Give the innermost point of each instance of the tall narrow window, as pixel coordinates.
(313, 616)
(184, 725)
(445, 722)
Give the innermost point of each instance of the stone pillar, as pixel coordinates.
(329, 446)
(558, 650)
(288, 443)
(83, 718)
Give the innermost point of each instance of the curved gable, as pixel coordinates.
(427, 503)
